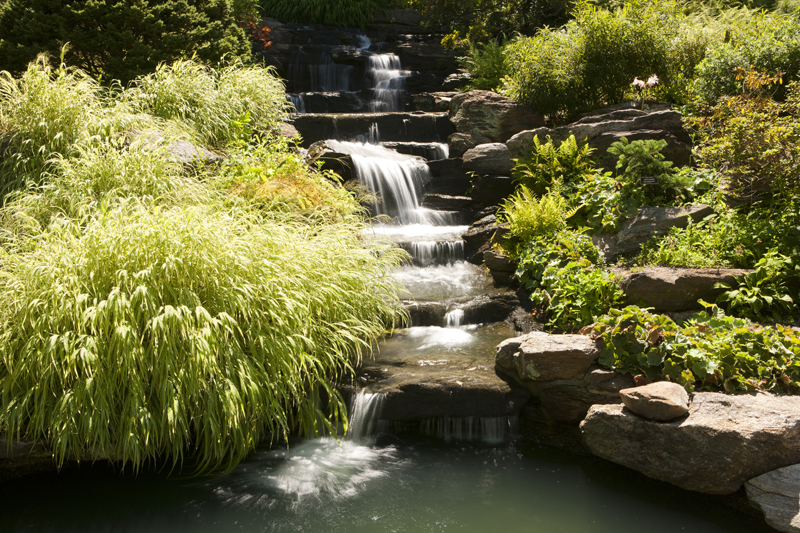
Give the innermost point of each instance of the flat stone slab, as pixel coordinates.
(392, 127)
(669, 289)
(777, 495)
(724, 441)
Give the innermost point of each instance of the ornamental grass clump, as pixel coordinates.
(187, 332)
(219, 106)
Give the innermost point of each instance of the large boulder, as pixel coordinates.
(650, 222)
(657, 401)
(777, 495)
(490, 115)
(724, 441)
(675, 289)
(481, 236)
(541, 356)
(500, 267)
(491, 158)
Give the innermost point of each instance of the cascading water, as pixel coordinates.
(454, 318)
(470, 428)
(388, 83)
(365, 414)
(427, 253)
(317, 72)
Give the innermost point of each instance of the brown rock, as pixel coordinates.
(608, 382)
(489, 114)
(541, 357)
(657, 401)
(724, 441)
(675, 289)
(568, 402)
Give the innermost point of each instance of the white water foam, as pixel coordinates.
(388, 83)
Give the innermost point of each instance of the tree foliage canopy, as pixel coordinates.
(117, 39)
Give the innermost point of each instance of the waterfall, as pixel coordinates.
(428, 253)
(470, 428)
(388, 83)
(310, 72)
(398, 179)
(298, 102)
(454, 318)
(365, 413)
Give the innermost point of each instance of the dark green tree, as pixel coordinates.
(118, 39)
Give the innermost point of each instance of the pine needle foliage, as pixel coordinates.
(146, 332)
(339, 13)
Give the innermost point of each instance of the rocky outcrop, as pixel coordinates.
(492, 158)
(777, 495)
(445, 202)
(481, 236)
(724, 440)
(489, 117)
(459, 143)
(675, 289)
(650, 222)
(657, 401)
(602, 129)
(560, 372)
(500, 267)
(491, 190)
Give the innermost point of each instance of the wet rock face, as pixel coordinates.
(500, 267)
(481, 236)
(777, 494)
(675, 289)
(397, 127)
(649, 223)
(724, 440)
(490, 116)
(657, 401)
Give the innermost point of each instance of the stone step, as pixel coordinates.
(428, 151)
(447, 186)
(330, 102)
(445, 202)
(392, 127)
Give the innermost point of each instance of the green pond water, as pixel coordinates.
(325, 486)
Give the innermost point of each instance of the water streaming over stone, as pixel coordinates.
(365, 413)
(317, 72)
(454, 318)
(427, 253)
(388, 83)
(298, 102)
(470, 428)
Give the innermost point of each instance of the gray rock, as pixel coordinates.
(603, 381)
(481, 237)
(446, 202)
(675, 289)
(492, 190)
(542, 357)
(724, 441)
(492, 158)
(568, 402)
(649, 223)
(330, 102)
(459, 143)
(425, 313)
(657, 401)
(491, 115)
(602, 130)
(499, 262)
(777, 495)
(490, 308)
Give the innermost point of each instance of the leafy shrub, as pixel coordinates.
(593, 59)
(559, 249)
(576, 294)
(528, 217)
(340, 13)
(485, 64)
(762, 292)
(118, 40)
(752, 141)
(767, 42)
(604, 203)
(711, 352)
(696, 246)
(643, 159)
(545, 164)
